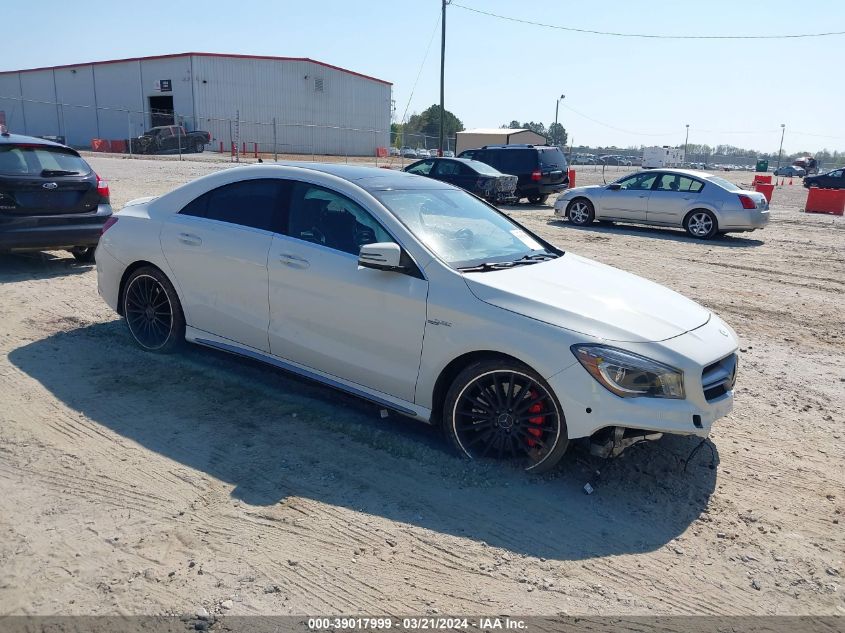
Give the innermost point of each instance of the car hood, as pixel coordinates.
(585, 296)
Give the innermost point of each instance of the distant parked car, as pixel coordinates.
(541, 169)
(703, 204)
(394, 151)
(50, 198)
(408, 152)
(831, 180)
(434, 153)
(169, 138)
(474, 176)
(447, 153)
(790, 171)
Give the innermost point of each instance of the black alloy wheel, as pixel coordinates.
(506, 413)
(153, 314)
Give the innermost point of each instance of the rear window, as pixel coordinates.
(514, 161)
(725, 184)
(552, 158)
(32, 160)
(483, 168)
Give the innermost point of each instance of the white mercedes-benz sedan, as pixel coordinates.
(422, 298)
(703, 204)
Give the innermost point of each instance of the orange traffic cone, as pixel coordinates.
(790, 180)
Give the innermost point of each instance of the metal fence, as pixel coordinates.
(79, 125)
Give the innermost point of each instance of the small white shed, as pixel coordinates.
(479, 137)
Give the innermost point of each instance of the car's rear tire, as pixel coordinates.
(581, 212)
(701, 224)
(84, 254)
(537, 199)
(502, 408)
(152, 311)
(199, 147)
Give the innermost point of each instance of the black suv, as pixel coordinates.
(50, 198)
(541, 169)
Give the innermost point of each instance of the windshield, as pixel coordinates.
(31, 160)
(459, 228)
(725, 184)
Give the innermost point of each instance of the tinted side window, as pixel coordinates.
(447, 168)
(197, 208)
(638, 182)
(325, 217)
(423, 168)
(251, 203)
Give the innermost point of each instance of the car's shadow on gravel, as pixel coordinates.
(729, 240)
(272, 437)
(39, 265)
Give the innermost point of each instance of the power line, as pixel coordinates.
(648, 35)
(422, 65)
(618, 129)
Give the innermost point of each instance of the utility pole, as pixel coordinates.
(442, 74)
(686, 143)
(780, 151)
(557, 104)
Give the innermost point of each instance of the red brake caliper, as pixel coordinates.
(537, 407)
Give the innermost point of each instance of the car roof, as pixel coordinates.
(684, 172)
(17, 139)
(370, 178)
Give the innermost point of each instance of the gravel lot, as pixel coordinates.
(138, 484)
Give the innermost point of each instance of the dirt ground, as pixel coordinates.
(137, 484)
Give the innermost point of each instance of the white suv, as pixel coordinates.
(418, 296)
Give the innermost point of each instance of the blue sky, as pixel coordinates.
(620, 91)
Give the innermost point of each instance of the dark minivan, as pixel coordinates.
(541, 169)
(50, 198)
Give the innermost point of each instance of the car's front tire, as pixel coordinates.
(500, 408)
(537, 199)
(152, 311)
(701, 224)
(581, 212)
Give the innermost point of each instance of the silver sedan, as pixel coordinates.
(703, 204)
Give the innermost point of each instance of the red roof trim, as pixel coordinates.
(172, 55)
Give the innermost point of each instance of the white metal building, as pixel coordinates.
(317, 107)
(479, 137)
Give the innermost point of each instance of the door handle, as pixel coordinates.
(190, 239)
(643, 195)
(293, 261)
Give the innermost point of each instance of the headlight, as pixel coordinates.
(630, 375)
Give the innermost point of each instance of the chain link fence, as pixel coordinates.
(119, 130)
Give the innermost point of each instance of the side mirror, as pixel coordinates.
(614, 186)
(381, 256)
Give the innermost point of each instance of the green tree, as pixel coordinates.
(396, 134)
(428, 122)
(557, 134)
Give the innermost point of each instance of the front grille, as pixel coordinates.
(719, 378)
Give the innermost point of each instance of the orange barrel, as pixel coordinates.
(764, 178)
(825, 201)
(766, 189)
(571, 178)
(118, 146)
